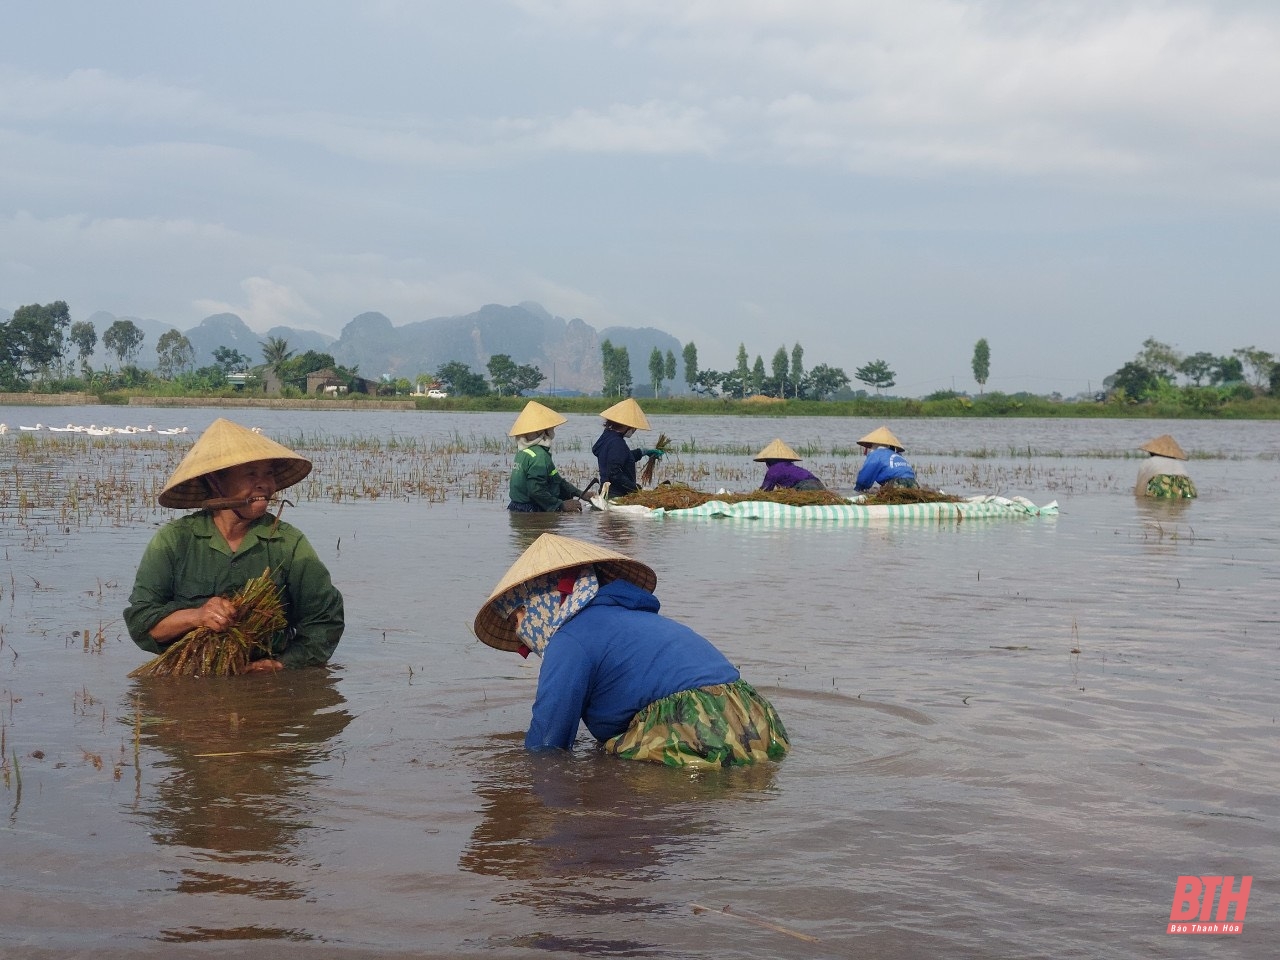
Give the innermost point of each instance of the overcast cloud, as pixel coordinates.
(875, 180)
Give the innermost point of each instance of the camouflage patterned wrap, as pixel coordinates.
(1171, 486)
(717, 726)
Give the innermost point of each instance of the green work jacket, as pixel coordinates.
(188, 561)
(534, 480)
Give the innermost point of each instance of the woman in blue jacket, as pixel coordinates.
(885, 464)
(647, 687)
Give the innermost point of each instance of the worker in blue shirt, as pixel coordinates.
(647, 687)
(885, 464)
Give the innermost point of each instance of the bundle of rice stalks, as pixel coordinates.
(673, 496)
(224, 653)
(646, 472)
(892, 495)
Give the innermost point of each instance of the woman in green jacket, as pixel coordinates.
(194, 565)
(536, 485)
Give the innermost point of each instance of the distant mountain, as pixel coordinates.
(219, 330)
(300, 341)
(224, 330)
(566, 351)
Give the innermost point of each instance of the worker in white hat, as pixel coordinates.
(1163, 473)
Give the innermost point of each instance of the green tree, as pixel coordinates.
(732, 385)
(657, 369)
(670, 367)
(527, 377)
(293, 371)
(981, 363)
(1135, 381)
(797, 369)
(1197, 366)
(230, 360)
(823, 381)
(502, 373)
(876, 374)
(84, 338)
(1160, 358)
(275, 351)
(780, 370)
(174, 354)
(1259, 361)
(742, 372)
(31, 341)
(690, 354)
(461, 380)
(617, 370)
(1226, 370)
(707, 383)
(757, 375)
(124, 339)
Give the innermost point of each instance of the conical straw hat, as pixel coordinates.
(226, 444)
(1164, 446)
(628, 413)
(535, 418)
(883, 436)
(551, 553)
(777, 450)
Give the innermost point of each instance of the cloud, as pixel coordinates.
(938, 87)
(647, 128)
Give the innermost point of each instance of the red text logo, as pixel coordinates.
(1193, 905)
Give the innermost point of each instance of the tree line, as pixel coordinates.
(40, 345)
(1152, 376)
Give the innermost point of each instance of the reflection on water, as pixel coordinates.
(232, 785)
(528, 527)
(611, 529)
(591, 834)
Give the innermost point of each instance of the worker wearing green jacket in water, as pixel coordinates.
(536, 486)
(196, 563)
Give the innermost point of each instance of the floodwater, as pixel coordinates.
(1011, 736)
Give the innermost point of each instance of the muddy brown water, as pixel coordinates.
(1011, 736)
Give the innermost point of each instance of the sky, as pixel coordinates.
(872, 180)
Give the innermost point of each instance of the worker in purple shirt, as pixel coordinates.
(782, 471)
(885, 464)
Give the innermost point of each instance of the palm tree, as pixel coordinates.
(275, 351)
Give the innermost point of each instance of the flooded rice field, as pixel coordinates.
(1011, 736)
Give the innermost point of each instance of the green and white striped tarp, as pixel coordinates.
(854, 514)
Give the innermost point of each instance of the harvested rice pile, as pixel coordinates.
(890, 496)
(224, 653)
(678, 497)
(674, 496)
